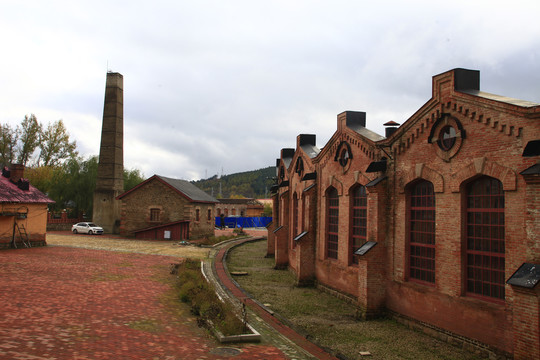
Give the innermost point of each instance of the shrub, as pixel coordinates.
(194, 290)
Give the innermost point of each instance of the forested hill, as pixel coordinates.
(249, 184)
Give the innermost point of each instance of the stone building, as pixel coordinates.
(168, 209)
(239, 207)
(436, 223)
(23, 213)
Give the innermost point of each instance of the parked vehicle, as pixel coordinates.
(87, 228)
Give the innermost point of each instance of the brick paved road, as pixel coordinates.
(67, 303)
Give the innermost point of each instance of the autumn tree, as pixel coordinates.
(73, 185)
(55, 145)
(29, 134)
(8, 140)
(132, 178)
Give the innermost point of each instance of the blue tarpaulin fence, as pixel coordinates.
(245, 222)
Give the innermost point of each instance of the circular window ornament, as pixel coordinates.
(344, 156)
(447, 135)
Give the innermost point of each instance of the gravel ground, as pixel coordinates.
(114, 243)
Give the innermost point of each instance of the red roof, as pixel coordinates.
(10, 193)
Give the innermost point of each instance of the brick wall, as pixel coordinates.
(489, 139)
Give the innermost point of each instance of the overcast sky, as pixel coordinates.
(212, 85)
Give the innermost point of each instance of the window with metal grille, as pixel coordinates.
(154, 214)
(358, 220)
(332, 220)
(303, 214)
(295, 218)
(422, 233)
(485, 262)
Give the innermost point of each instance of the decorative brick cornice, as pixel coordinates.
(421, 171)
(483, 166)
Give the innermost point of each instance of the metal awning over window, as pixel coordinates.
(527, 276)
(362, 250)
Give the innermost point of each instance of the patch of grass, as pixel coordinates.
(126, 264)
(205, 304)
(110, 277)
(329, 321)
(146, 325)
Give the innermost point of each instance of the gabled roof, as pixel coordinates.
(365, 132)
(500, 98)
(183, 187)
(11, 193)
(310, 150)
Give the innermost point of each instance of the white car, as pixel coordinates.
(87, 228)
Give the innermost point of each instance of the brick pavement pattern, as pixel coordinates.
(67, 303)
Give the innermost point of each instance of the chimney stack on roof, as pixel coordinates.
(391, 128)
(351, 119)
(305, 139)
(16, 173)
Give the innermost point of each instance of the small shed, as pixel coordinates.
(23, 211)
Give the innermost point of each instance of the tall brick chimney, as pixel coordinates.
(110, 177)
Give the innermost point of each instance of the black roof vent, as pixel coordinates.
(465, 79)
(307, 139)
(355, 118)
(287, 153)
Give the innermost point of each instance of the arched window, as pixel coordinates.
(358, 232)
(332, 221)
(485, 238)
(422, 232)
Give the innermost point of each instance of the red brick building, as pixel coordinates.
(167, 209)
(427, 223)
